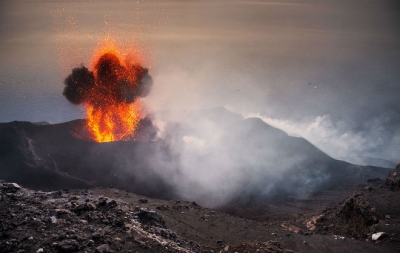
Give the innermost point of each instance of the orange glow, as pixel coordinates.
(127, 56)
(110, 115)
(112, 123)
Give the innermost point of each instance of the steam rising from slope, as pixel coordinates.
(216, 157)
(338, 139)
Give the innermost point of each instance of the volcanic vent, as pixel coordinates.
(109, 93)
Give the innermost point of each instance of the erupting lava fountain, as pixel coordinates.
(109, 93)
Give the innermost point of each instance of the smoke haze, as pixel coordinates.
(216, 157)
(339, 139)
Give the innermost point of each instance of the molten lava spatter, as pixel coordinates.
(112, 123)
(109, 93)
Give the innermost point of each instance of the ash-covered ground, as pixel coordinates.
(113, 220)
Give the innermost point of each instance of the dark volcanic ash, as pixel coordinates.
(107, 93)
(110, 83)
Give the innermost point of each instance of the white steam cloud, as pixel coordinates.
(338, 139)
(216, 157)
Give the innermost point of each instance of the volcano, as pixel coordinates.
(289, 196)
(279, 167)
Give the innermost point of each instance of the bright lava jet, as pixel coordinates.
(109, 92)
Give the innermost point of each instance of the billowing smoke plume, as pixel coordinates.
(111, 83)
(107, 93)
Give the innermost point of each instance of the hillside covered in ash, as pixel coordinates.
(204, 181)
(213, 157)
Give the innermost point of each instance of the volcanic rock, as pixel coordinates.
(370, 212)
(84, 207)
(379, 236)
(151, 217)
(13, 186)
(68, 246)
(143, 200)
(393, 179)
(53, 220)
(104, 248)
(266, 247)
(24, 215)
(96, 235)
(353, 217)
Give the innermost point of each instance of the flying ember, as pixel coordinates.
(109, 92)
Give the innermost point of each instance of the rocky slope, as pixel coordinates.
(81, 221)
(371, 212)
(113, 220)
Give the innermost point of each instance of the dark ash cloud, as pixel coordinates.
(110, 83)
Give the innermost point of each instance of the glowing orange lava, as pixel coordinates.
(113, 112)
(112, 123)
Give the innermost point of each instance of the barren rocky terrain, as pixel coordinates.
(113, 220)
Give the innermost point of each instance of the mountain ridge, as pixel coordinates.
(264, 161)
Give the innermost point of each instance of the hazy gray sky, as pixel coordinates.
(332, 66)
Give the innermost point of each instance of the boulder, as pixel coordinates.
(104, 248)
(53, 220)
(68, 246)
(14, 186)
(151, 217)
(143, 200)
(379, 236)
(11, 187)
(393, 179)
(84, 207)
